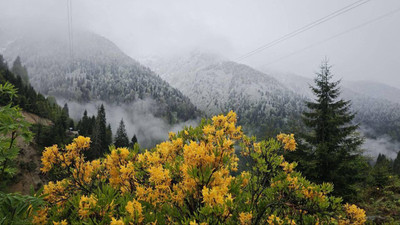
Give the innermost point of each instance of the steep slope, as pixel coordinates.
(97, 71)
(216, 85)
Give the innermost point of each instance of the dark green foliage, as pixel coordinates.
(17, 209)
(109, 135)
(12, 126)
(133, 141)
(65, 109)
(20, 71)
(332, 146)
(99, 137)
(396, 164)
(381, 172)
(85, 125)
(121, 138)
(380, 195)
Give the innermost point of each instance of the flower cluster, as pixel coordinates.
(288, 141)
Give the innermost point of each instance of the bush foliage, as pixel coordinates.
(188, 180)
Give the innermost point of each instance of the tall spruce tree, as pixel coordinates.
(20, 70)
(133, 141)
(99, 138)
(333, 146)
(84, 127)
(121, 138)
(396, 164)
(109, 135)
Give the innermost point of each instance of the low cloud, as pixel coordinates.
(382, 144)
(137, 117)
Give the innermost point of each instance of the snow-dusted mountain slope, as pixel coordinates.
(99, 70)
(216, 85)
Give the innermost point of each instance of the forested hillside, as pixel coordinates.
(264, 105)
(97, 70)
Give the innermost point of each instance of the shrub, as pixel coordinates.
(188, 180)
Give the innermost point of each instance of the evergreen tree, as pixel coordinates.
(133, 141)
(381, 171)
(3, 63)
(84, 125)
(20, 70)
(333, 144)
(99, 137)
(65, 109)
(109, 135)
(396, 164)
(121, 138)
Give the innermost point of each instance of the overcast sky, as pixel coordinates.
(233, 28)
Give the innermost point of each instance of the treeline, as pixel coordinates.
(101, 135)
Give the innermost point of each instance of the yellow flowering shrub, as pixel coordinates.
(188, 179)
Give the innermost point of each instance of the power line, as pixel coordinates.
(337, 35)
(305, 28)
(70, 36)
(71, 33)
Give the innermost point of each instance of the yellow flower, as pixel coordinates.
(134, 208)
(40, 217)
(63, 222)
(171, 135)
(116, 222)
(355, 215)
(50, 156)
(272, 219)
(85, 205)
(245, 218)
(158, 175)
(82, 142)
(288, 141)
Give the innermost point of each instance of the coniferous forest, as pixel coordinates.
(131, 112)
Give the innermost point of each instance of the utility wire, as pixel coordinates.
(71, 33)
(69, 19)
(304, 28)
(337, 35)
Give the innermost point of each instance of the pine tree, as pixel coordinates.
(121, 138)
(99, 137)
(396, 164)
(65, 109)
(133, 141)
(109, 135)
(333, 144)
(381, 171)
(20, 70)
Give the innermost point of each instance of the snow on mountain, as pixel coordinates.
(217, 85)
(99, 72)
